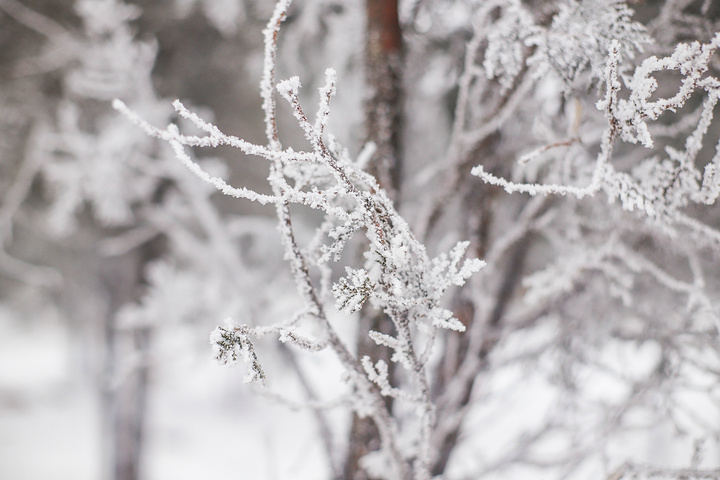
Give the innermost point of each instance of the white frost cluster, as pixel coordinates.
(230, 344)
(658, 187)
(574, 46)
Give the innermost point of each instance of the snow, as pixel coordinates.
(49, 422)
(52, 437)
(202, 421)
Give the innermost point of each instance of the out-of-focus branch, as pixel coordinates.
(35, 21)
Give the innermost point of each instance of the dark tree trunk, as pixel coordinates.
(364, 436)
(383, 105)
(130, 409)
(383, 121)
(126, 371)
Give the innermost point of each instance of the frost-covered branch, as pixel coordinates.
(673, 183)
(566, 277)
(397, 278)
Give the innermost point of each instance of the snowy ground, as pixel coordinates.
(202, 421)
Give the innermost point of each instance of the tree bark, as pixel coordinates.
(126, 372)
(383, 106)
(383, 123)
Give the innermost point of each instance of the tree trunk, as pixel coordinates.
(126, 372)
(383, 105)
(383, 115)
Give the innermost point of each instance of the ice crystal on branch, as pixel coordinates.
(574, 46)
(231, 344)
(352, 291)
(580, 35)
